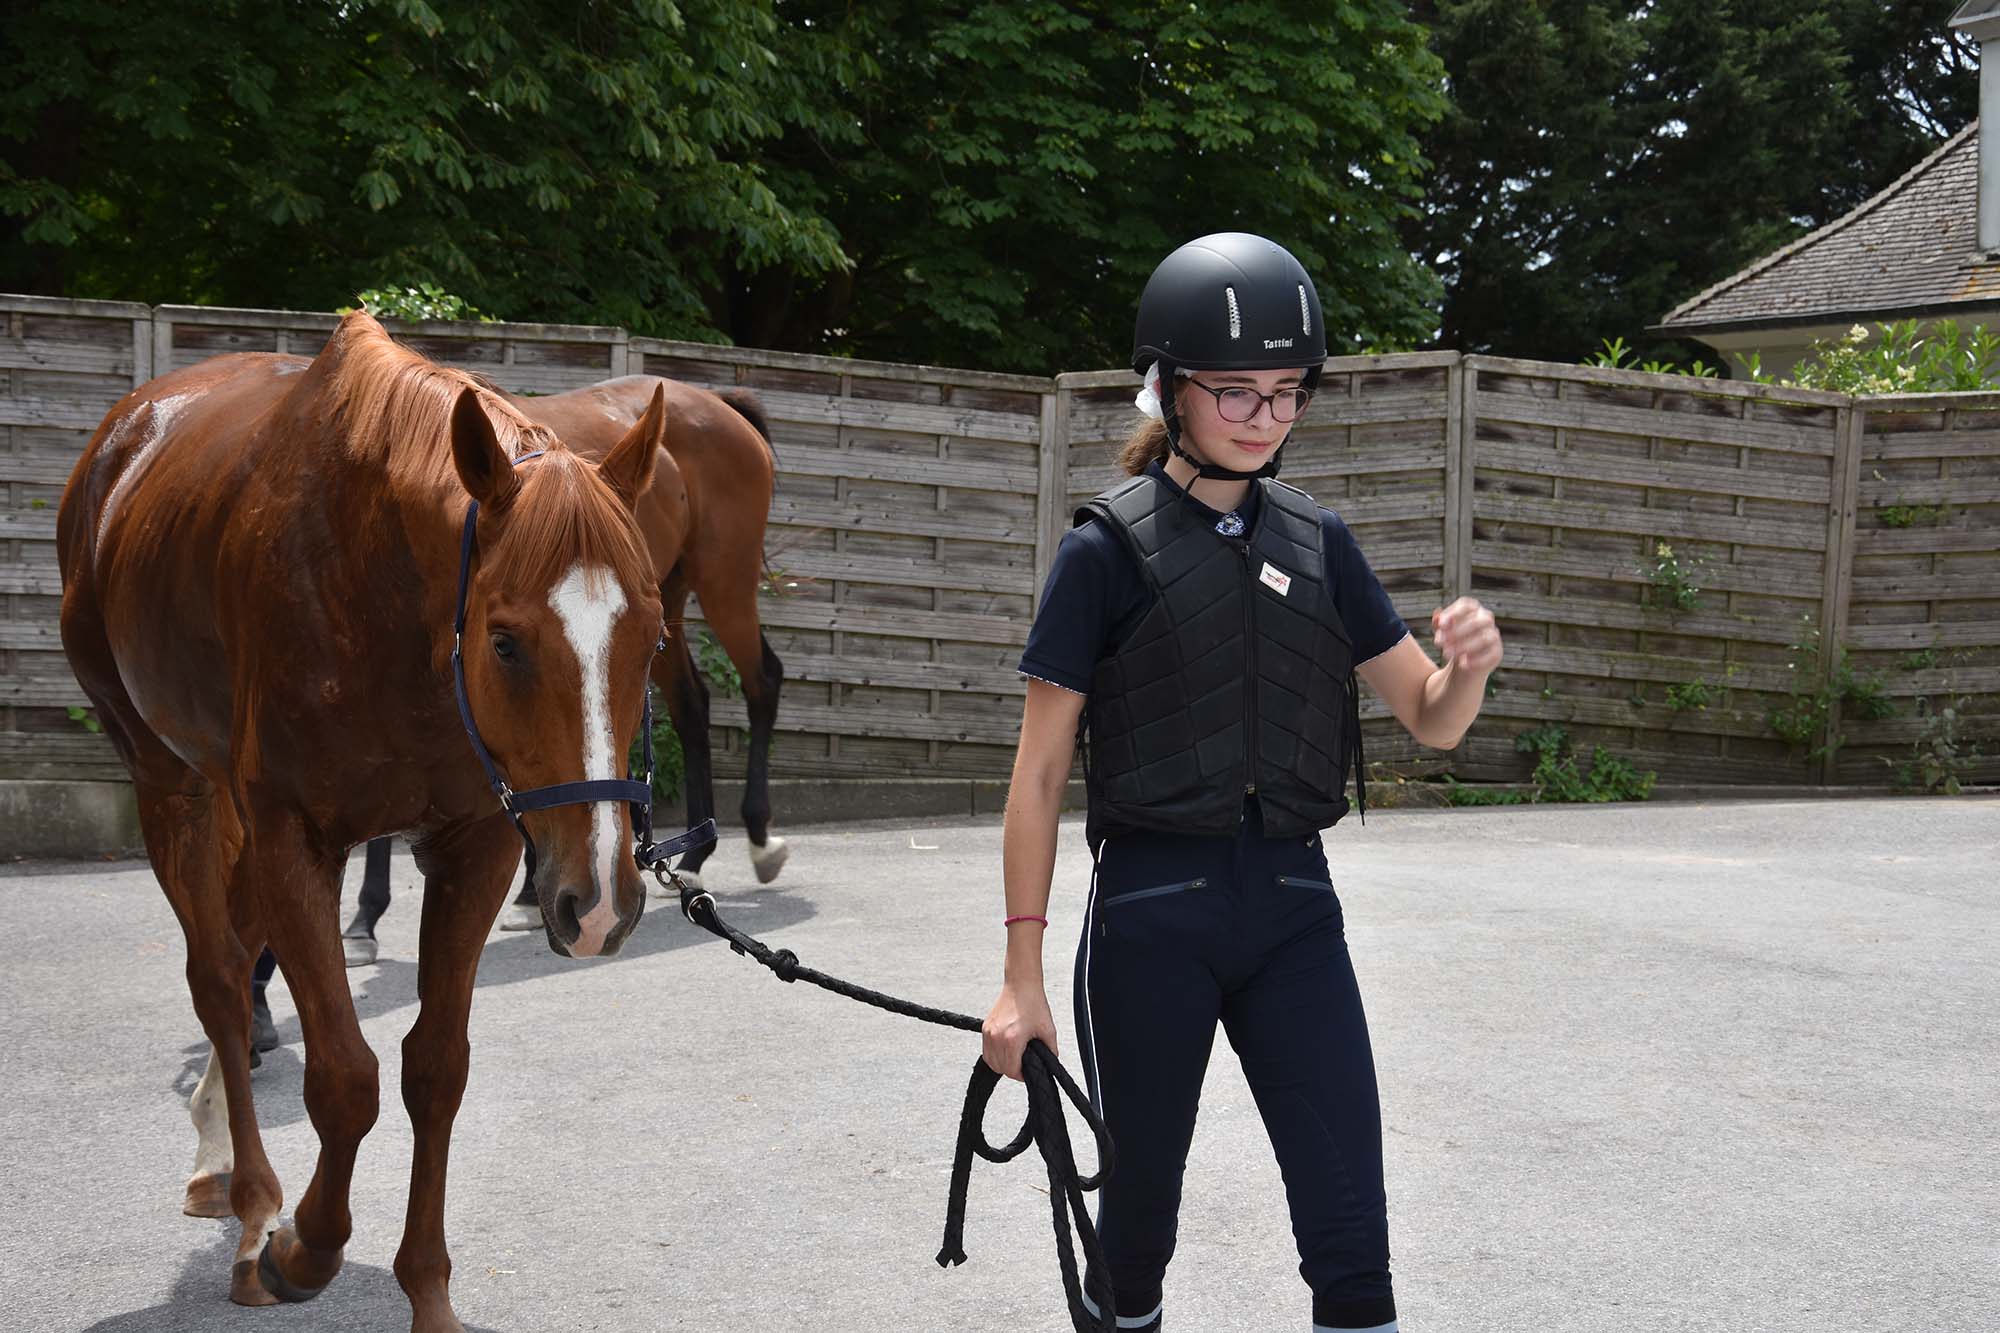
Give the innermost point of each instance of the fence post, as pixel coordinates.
(1843, 503)
(1458, 430)
(142, 349)
(163, 343)
(1052, 483)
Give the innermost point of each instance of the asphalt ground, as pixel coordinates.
(1659, 1067)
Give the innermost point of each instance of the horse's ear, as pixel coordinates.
(484, 468)
(628, 468)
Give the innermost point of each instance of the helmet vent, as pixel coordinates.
(1305, 312)
(1235, 319)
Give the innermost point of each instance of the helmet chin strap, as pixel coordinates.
(1205, 471)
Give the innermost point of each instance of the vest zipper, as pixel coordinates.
(1250, 684)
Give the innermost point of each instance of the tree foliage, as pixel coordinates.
(1024, 165)
(559, 161)
(982, 184)
(1605, 160)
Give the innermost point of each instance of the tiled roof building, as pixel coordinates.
(1909, 250)
(1913, 251)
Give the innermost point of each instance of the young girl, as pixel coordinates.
(1200, 632)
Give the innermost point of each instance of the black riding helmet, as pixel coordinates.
(1230, 301)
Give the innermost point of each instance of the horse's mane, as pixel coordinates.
(394, 406)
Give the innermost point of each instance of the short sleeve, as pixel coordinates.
(1083, 602)
(1364, 605)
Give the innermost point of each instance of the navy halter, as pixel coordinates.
(636, 790)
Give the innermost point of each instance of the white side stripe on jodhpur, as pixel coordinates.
(1089, 1018)
(1124, 1320)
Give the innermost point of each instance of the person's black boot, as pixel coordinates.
(263, 1031)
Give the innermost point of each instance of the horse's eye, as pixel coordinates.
(503, 647)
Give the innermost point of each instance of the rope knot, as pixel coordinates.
(786, 964)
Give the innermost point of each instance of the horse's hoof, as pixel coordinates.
(769, 859)
(263, 1029)
(270, 1271)
(438, 1319)
(520, 916)
(244, 1288)
(691, 878)
(360, 949)
(207, 1196)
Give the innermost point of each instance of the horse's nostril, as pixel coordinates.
(566, 920)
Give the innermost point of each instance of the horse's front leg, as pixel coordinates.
(342, 1086)
(466, 877)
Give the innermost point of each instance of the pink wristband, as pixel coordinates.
(1025, 916)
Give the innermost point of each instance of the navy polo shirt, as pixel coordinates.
(1097, 593)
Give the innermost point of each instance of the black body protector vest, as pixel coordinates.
(1237, 684)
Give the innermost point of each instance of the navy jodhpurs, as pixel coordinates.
(1184, 932)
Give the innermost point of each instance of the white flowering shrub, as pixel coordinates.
(1897, 359)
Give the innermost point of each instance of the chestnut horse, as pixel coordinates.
(261, 563)
(721, 447)
(703, 521)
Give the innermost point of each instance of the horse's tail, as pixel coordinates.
(751, 408)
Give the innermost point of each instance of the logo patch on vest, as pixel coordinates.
(1276, 579)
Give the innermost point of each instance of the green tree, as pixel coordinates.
(543, 160)
(1024, 165)
(1604, 161)
(983, 184)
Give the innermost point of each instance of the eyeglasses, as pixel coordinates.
(1240, 404)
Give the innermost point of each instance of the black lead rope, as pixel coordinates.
(1046, 1126)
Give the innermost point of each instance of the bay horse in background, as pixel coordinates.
(721, 448)
(261, 561)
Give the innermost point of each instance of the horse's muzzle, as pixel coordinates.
(579, 927)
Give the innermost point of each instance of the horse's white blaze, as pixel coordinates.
(589, 602)
(159, 414)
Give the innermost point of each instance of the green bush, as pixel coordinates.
(1617, 356)
(1899, 360)
(1557, 778)
(1688, 695)
(1673, 579)
(669, 760)
(1942, 755)
(1802, 718)
(426, 300)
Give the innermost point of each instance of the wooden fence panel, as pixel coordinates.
(1923, 616)
(1580, 478)
(524, 358)
(918, 510)
(62, 366)
(903, 547)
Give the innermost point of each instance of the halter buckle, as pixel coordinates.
(506, 797)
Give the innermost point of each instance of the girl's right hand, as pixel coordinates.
(1019, 1016)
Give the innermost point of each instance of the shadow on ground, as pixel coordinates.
(511, 959)
(362, 1296)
